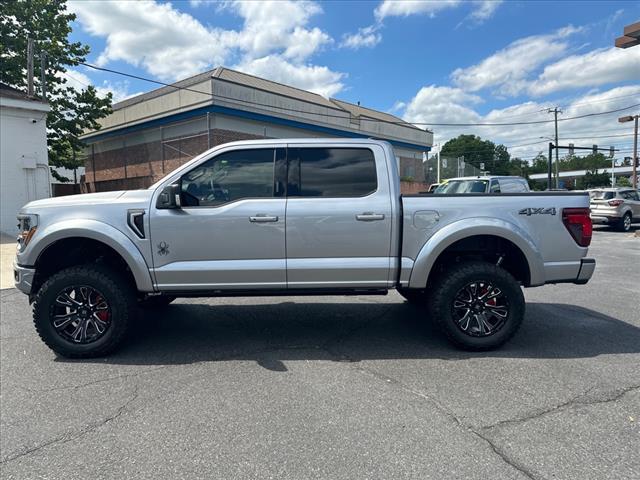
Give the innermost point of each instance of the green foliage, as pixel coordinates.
(593, 180)
(476, 151)
(623, 182)
(48, 23)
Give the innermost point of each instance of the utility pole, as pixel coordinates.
(30, 67)
(555, 112)
(634, 161)
(43, 74)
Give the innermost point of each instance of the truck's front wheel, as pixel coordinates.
(83, 311)
(478, 305)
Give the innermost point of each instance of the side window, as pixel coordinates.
(331, 172)
(495, 187)
(230, 176)
(635, 196)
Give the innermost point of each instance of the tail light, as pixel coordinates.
(615, 203)
(578, 223)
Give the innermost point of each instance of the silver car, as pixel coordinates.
(619, 207)
(484, 184)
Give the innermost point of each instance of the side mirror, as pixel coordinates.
(169, 198)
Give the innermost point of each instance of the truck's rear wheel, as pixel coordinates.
(478, 305)
(84, 311)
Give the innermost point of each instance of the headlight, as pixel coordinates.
(27, 225)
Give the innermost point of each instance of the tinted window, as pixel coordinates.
(495, 187)
(600, 195)
(331, 172)
(230, 176)
(512, 185)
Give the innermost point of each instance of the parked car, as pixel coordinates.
(484, 184)
(293, 217)
(618, 207)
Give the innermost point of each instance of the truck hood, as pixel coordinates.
(142, 197)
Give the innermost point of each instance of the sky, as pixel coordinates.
(428, 62)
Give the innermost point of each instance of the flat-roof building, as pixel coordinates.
(151, 134)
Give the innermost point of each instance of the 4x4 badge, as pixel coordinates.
(163, 248)
(537, 211)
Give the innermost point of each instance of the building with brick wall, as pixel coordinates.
(149, 135)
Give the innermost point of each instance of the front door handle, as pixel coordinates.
(261, 218)
(369, 217)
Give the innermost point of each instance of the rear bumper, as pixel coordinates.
(587, 267)
(601, 219)
(23, 277)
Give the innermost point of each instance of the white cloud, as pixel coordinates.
(452, 105)
(165, 42)
(364, 37)
(79, 81)
(392, 8)
(315, 78)
(172, 45)
(484, 10)
(598, 67)
(508, 69)
(274, 25)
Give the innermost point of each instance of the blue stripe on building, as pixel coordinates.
(248, 115)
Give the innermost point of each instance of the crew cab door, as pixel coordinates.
(339, 221)
(229, 230)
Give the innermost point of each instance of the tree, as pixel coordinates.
(72, 111)
(594, 180)
(477, 151)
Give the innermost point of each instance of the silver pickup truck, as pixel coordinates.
(293, 217)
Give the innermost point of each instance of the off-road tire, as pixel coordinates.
(155, 302)
(118, 293)
(449, 284)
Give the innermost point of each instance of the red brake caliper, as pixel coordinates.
(102, 314)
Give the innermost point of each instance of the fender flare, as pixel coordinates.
(95, 230)
(470, 227)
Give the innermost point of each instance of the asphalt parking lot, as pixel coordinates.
(336, 387)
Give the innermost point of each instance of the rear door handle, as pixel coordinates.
(261, 218)
(369, 217)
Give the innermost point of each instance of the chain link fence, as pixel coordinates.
(449, 168)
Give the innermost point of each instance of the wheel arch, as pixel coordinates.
(120, 248)
(494, 230)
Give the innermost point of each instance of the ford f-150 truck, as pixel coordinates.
(293, 217)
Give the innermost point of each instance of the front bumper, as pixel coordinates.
(23, 277)
(587, 267)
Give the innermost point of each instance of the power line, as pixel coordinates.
(602, 100)
(138, 77)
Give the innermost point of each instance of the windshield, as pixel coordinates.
(601, 195)
(463, 186)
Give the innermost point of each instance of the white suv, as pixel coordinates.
(619, 207)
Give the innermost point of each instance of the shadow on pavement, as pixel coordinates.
(269, 334)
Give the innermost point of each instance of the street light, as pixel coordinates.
(634, 162)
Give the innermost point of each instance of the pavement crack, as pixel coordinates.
(67, 437)
(581, 399)
(452, 416)
(505, 458)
